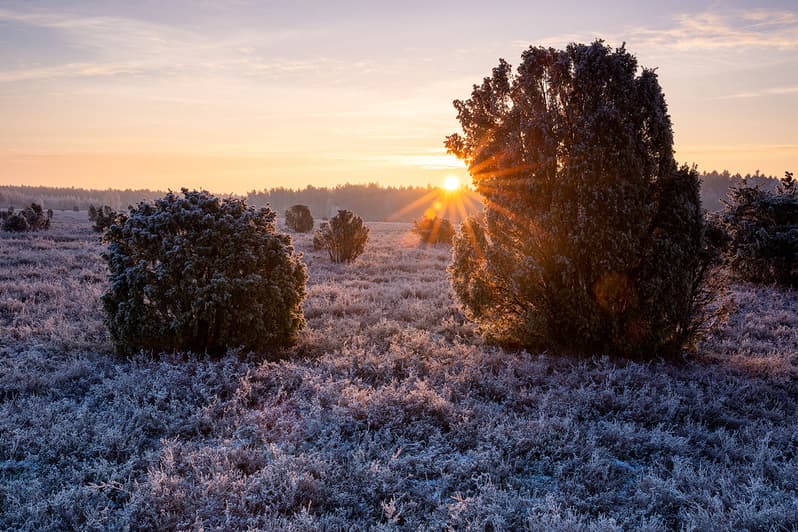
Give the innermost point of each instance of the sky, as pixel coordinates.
(241, 95)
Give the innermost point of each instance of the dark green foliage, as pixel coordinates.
(592, 238)
(102, 217)
(299, 219)
(31, 218)
(196, 273)
(344, 236)
(761, 228)
(434, 230)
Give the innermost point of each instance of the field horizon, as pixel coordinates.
(372, 201)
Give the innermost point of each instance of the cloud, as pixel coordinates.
(738, 148)
(112, 46)
(737, 30)
(428, 159)
(773, 91)
(708, 31)
(102, 33)
(71, 70)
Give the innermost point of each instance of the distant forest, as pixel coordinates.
(373, 202)
(715, 186)
(72, 198)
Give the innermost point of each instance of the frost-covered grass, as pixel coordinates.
(388, 414)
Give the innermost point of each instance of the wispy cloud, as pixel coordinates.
(739, 148)
(773, 91)
(113, 46)
(759, 28)
(428, 159)
(709, 30)
(71, 70)
(102, 32)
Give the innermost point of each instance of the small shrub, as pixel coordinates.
(102, 217)
(762, 232)
(299, 219)
(15, 221)
(318, 236)
(196, 273)
(31, 218)
(434, 230)
(344, 236)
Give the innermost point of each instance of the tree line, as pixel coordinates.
(69, 198)
(372, 201)
(715, 186)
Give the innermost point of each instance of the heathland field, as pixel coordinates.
(390, 413)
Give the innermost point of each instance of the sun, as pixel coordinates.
(451, 183)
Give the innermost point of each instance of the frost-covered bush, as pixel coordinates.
(344, 236)
(13, 221)
(434, 230)
(299, 219)
(592, 236)
(762, 232)
(102, 217)
(31, 218)
(318, 236)
(192, 272)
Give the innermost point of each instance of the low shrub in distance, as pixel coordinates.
(761, 233)
(318, 236)
(299, 219)
(434, 230)
(31, 218)
(195, 273)
(344, 236)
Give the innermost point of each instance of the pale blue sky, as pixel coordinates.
(240, 95)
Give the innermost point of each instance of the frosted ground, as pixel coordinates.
(389, 413)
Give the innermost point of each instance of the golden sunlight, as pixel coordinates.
(451, 183)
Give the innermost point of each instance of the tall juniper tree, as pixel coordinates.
(592, 236)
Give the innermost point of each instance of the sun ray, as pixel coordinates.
(428, 197)
(469, 232)
(461, 207)
(474, 200)
(493, 174)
